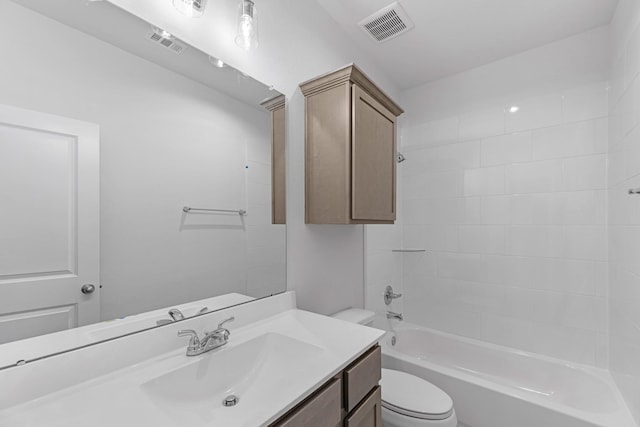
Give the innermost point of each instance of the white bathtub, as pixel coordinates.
(494, 386)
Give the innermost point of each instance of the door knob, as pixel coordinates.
(88, 289)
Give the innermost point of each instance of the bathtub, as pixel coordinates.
(494, 386)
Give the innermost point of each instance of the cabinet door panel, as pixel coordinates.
(328, 186)
(373, 159)
(361, 377)
(322, 410)
(369, 413)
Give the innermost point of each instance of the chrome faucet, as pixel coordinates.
(211, 340)
(392, 315)
(175, 315)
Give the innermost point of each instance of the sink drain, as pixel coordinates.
(231, 400)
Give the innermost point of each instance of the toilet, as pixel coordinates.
(407, 400)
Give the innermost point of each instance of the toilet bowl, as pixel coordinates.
(407, 400)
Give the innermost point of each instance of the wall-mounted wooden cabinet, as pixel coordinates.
(278, 159)
(350, 146)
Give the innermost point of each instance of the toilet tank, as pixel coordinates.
(356, 315)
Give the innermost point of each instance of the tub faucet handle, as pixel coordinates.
(389, 295)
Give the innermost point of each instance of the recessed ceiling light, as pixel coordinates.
(514, 109)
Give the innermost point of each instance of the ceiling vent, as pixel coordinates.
(387, 23)
(166, 40)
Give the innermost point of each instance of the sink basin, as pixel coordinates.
(251, 371)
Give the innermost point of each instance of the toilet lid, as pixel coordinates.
(409, 395)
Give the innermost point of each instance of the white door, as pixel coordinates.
(49, 223)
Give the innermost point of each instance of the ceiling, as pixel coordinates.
(99, 18)
(451, 36)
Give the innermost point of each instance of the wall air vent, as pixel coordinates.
(166, 40)
(387, 23)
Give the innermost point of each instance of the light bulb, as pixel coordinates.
(247, 35)
(217, 62)
(162, 33)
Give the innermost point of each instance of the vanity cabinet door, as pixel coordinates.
(369, 413)
(323, 409)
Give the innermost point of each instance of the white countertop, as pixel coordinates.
(116, 395)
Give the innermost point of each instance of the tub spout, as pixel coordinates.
(392, 315)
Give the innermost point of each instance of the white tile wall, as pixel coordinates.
(512, 209)
(535, 113)
(504, 149)
(534, 177)
(624, 210)
(482, 123)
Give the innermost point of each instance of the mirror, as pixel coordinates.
(135, 175)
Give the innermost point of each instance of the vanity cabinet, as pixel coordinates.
(350, 150)
(278, 159)
(350, 399)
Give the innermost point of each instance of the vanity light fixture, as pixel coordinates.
(514, 109)
(247, 35)
(190, 8)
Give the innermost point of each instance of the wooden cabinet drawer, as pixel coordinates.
(369, 413)
(361, 377)
(323, 409)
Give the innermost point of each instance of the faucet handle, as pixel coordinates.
(194, 341)
(221, 324)
(389, 295)
(221, 329)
